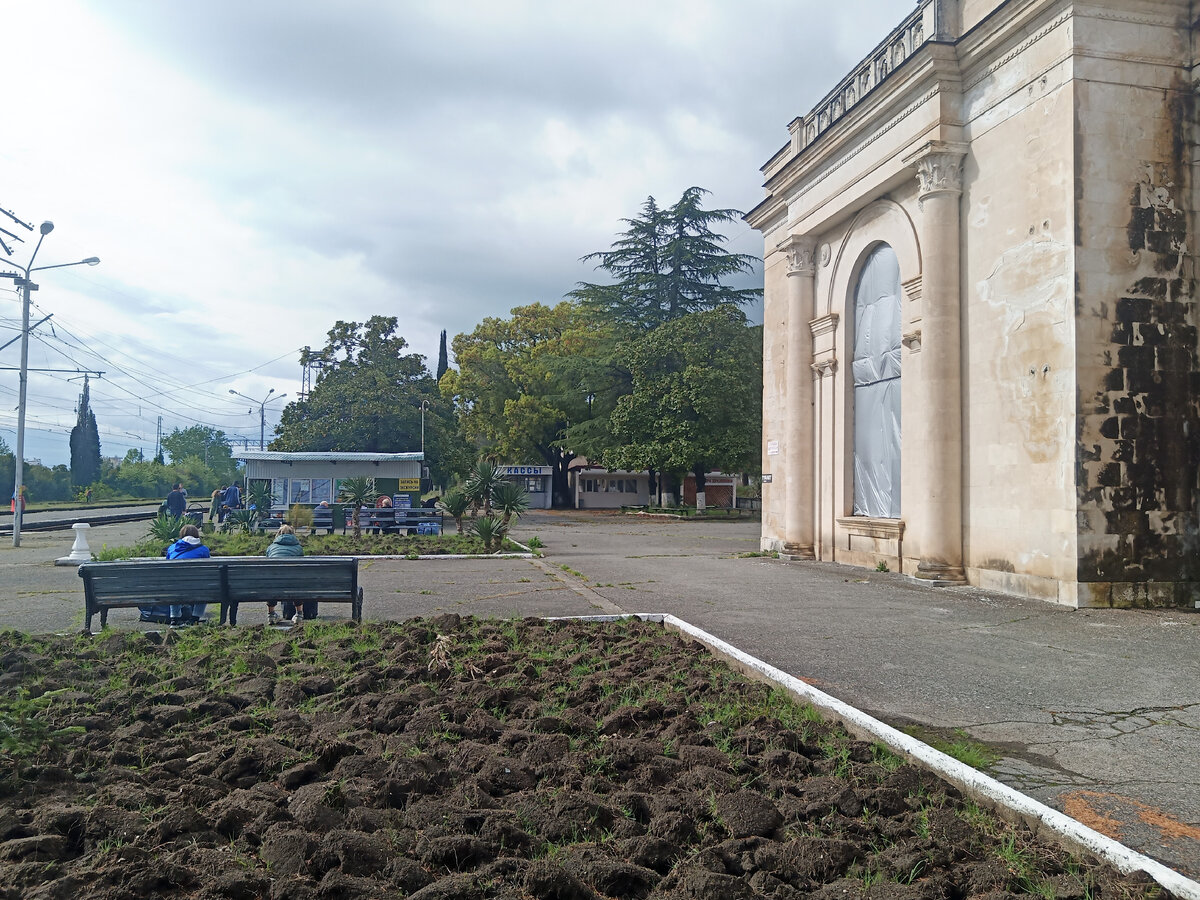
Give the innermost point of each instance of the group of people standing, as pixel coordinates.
(223, 500)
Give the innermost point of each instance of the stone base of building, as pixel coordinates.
(1136, 594)
(940, 573)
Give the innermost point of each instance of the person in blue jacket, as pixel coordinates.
(187, 547)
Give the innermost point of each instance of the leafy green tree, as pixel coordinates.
(209, 445)
(667, 264)
(514, 398)
(367, 398)
(696, 403)
(85, 443)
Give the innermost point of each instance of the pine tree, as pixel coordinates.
(443, 358)
(85, 443)
(668, 264)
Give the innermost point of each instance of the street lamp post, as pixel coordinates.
(262, 412)
(27, 286)
(424, 406)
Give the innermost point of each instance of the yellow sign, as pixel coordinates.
(409, 484)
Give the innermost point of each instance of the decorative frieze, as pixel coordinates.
(889, 55)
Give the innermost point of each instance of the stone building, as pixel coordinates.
(980, 354)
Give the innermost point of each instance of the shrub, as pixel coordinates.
(300, 516)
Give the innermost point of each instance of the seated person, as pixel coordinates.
(287, 544)
(187, 547)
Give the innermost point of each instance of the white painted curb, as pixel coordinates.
(984, 789)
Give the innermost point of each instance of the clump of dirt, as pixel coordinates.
(464, 758)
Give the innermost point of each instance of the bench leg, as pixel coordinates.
(356, 607)
(233, 614)
(88, 612)
(103, 618)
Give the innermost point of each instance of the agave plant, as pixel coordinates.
(456, 503)
(358, 492)
(166, 528)
(511, 499)
(491, 531)
(245, 520)
(481, 484)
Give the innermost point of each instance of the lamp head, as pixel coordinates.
(270, 392)
(47, 227)
(92, 261)
(232, 391)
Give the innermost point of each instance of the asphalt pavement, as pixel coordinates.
(1095, 712)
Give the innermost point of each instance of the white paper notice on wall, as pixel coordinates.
(772, 448)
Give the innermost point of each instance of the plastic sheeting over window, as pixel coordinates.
(877, 387)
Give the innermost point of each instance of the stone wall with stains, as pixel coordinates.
(775, 320)
(1138, 422)
(1018, 319)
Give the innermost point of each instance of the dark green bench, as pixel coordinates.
(227, 580)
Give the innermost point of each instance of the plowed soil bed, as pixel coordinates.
(452, 758)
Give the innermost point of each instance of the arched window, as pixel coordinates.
(877, 386)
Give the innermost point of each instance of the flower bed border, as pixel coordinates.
(1010, 804)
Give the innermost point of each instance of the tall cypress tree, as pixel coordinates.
(85, 443)
(443, 359)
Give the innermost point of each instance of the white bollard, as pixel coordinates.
(80, 551)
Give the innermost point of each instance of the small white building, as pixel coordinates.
(595, 487)
(313, 478)
(538, 482)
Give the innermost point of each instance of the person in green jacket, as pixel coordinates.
(286, 544)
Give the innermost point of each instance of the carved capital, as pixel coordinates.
(940, 173)
(823, 367)
(939, 167)
(912, 340)
(801, 255)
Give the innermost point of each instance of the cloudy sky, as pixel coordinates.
(251, 172)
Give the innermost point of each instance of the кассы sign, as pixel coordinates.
(525, 470)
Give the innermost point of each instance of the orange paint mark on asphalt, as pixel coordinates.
(1078, 806)
(1082, 805)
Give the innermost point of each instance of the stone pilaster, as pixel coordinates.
(939, 390)
(798, 434)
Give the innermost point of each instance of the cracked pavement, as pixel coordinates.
(1095, 712)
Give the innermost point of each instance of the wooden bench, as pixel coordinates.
(398, 519)
(227, 580)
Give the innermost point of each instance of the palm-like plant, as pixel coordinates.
(491, 531)
(358, 492)
(481, 484)
(456, 503)
(258, 495)
(511, 499)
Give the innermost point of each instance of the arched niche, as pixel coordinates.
(883, 221)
